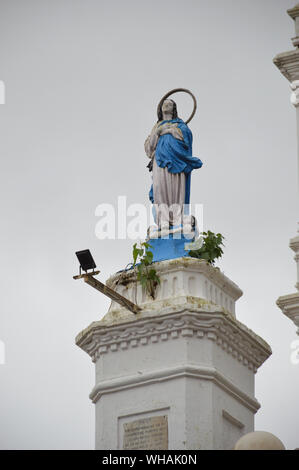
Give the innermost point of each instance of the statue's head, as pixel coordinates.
(168, 107)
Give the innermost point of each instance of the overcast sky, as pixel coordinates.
(83, 79)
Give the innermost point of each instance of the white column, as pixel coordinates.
(288, 64)
(180, 374)
(295, 101)
(294, 242)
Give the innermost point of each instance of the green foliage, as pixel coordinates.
(211, 248)
(146, 275)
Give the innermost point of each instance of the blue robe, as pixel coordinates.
(176, 155)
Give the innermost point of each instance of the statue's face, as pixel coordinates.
(167, 107)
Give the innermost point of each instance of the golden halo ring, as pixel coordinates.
(176, 90)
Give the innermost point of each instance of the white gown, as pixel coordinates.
(168, 189)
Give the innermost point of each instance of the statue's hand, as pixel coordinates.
(173, 130)
(151, 142)
(177, 133)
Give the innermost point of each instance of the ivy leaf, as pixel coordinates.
(148, 257)
(211, 249)
(148, 278)
(135, 253)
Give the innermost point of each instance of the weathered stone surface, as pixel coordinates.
(184, 356)
(259, 440)
(146, 433)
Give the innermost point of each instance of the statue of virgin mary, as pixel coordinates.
(169, 146)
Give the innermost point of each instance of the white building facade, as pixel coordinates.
(288, 64)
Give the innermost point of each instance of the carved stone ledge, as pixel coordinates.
(295, 41)
(200, 372)
(293, 12)
(289, 305)
(294, 244)
(181, 278)
(288, 64)
(232, 336)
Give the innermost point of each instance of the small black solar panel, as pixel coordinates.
(85, 259)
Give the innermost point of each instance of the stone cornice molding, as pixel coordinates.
(170, 373)
(294, 12)
(288, 64)
(289, 305)
(294, 244)
(187, 264)
(295, 41)
(231, 335)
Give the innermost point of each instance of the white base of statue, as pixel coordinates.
(179, 374)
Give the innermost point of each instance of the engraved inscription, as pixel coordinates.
(146, 433)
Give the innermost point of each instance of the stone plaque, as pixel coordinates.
(146, 433)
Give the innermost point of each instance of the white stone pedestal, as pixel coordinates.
(179, 374)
